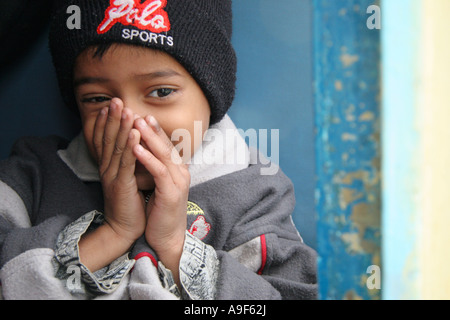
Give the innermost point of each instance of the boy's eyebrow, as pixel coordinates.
(146, 76)
(88, 80)
(158, 74)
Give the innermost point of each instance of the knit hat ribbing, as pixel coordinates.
(197, 33)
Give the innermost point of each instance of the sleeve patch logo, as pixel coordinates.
(149, 15)
(200, 228)
(194, 209)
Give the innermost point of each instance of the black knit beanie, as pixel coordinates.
(197, 33)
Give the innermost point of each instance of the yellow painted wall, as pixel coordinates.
(434, 128)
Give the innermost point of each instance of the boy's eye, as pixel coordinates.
(98, 99)
(161, 93)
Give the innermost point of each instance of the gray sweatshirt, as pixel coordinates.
(240, 240)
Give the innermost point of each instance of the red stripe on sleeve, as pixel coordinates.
(146, 254)
(263, 253)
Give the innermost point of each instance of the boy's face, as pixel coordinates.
(149, 82)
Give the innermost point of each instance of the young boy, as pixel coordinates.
(120, 212)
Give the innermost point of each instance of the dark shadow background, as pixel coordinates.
(30, 103)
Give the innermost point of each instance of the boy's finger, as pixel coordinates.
(175, 156)
(159, 148)
(157, 169)
(122, 138)
(111, 131)
(183, 168)
(127, 163)
(99, 129)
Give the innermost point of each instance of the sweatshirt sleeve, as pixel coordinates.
(103, 281)
(24, 223)
(34, 207)
(265, 257)
(287, 270)
(264, 268)
(17, 235)
(26, 252)
(260, 252)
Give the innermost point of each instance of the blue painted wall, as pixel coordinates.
(273, 41)
(348, 149)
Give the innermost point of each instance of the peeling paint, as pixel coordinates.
(367, 116)
(347, 148)
(353, 242)
(343, 12)
(352, 295)
(348, 195)
(350, 113)
(348, 137)
(364, 216)
(348, 60)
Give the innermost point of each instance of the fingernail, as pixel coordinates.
(104, 111)
(113, 105)
(154, 123)
(141, 122)
(139, 148)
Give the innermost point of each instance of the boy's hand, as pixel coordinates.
(114, 140)
(166, 209)
(118, 139)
